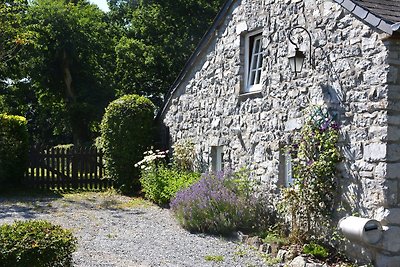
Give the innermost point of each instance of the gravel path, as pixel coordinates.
(117, 231)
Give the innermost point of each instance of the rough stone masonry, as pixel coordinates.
(356, 76)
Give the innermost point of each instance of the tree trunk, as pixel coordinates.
(70, 96)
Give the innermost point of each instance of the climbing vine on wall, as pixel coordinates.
(314, 155)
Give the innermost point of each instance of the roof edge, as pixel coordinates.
(202, 44)
(368, 17)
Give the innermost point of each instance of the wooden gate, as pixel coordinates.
(66, 168)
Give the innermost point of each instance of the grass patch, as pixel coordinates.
(87, 194)
(215, 258)
(111, 236)
(240, 253)
(274, 238)
(269, 260)
(136, 202)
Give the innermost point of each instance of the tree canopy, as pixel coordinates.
(160, 37)
(76, 58)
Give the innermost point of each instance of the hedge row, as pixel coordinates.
(126, 132)
(13, 149)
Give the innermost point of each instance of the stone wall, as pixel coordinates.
(356, 76)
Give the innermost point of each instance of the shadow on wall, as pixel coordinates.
(350, 185)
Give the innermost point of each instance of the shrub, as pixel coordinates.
(161, 183)
(35, 244)
(316, 250)
(126, 132)
(222, 203)
(310, 201)
(13, 149)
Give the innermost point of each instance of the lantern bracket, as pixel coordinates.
(298, 51)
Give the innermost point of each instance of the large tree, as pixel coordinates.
(121, 11)
(69, 68)
(77, 57)
(160, 36)
(12, 37)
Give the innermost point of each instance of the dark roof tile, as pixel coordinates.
(388, 10)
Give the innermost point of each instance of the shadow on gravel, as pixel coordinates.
(25, 208)
(92, 204)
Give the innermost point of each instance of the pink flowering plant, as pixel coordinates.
(314, 154)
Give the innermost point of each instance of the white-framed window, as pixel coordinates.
(217, 158)
(253, 62)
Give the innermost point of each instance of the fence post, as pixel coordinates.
(75, 163)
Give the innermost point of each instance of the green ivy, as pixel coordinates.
(310, 200)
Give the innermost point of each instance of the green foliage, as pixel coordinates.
(275, 238)
(160, 36)
(76, 58)
(64, 146)
(222, 203)
(316, 250)
(160, 183)
(13, 149)
(270, 260)
(121, 11)
(35, 244)
(314, 154)
(215, 258)
(62, 79)
(126, 133)
(12, 34)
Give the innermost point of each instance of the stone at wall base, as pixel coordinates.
(299, 261)
(386, 261)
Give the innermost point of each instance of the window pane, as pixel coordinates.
(257, 47)
(260, 59)
(258, 76)
(252, 77)
(254, 62)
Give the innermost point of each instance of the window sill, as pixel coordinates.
(250, 95)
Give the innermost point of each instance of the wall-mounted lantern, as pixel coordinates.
(296, 61)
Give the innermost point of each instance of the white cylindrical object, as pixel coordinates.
(361, 230)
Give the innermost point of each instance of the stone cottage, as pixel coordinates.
(238, 100)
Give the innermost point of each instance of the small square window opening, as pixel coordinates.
(217, 157)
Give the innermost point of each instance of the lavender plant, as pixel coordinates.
(221, 203)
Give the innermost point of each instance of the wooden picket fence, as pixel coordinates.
(66, 168)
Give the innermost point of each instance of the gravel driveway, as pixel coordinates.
(117, 231)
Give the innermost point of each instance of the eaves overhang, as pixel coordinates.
(369, 17)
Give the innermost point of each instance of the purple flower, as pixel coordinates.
(211, 205)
